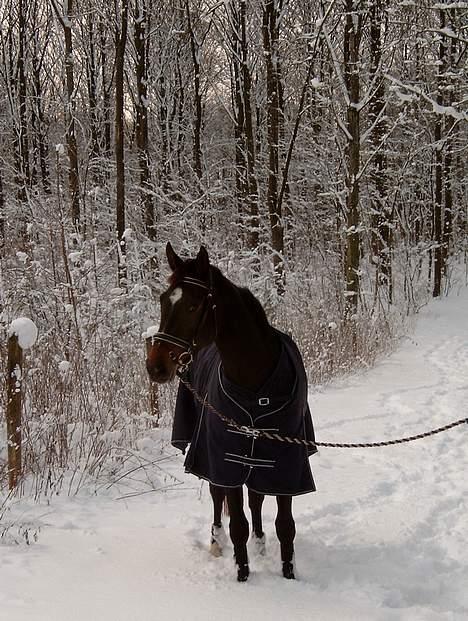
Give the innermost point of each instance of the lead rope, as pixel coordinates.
(260, 433)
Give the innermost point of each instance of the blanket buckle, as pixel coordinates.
(249, 431)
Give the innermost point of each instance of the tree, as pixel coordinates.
(381, 210)
(272, 10)
(65, 18)
(120, 44)
(244, 130)
(141, 42)
(351, 47)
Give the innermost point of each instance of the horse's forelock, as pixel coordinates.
(182, 271)
(173, 278)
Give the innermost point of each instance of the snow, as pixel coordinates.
(26, 331)
(383, 539)
(64, 368)
(150, 332)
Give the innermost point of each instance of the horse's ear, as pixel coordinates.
(172, 258)
(203, 262)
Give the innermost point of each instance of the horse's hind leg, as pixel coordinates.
(239, 531)
(258, 536)
(286, 531)
(218, 536)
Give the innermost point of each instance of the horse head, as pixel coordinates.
(185, 307)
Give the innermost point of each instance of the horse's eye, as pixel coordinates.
(192, 309)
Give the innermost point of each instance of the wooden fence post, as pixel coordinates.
(14, 373)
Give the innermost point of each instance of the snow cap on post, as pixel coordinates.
(26, 331)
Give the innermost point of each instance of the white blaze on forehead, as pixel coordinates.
(175, 295)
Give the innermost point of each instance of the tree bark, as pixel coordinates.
(381, 236)
(352, 40)
(2, 213)
(106, 88)
(198, 109)
(141, 43)
(244, 132)
(450, 133)
(121, 41)
(438, 171)
(24, 178)
(65, 20)
(38, 104)
(73, 171)
(246, 95)
(91, 71)
(270, 30)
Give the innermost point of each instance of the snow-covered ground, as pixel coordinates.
(384, 538)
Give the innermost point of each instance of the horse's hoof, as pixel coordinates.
(243, 573)
(258, 544)
(215, 549)
(288, 571)
(218, 541)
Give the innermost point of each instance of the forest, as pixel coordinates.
(316, 148)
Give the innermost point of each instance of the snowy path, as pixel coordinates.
(385, 537)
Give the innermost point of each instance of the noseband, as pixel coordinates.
(184, 359)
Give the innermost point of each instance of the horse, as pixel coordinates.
(217, 336)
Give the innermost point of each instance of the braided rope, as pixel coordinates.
(260, 433)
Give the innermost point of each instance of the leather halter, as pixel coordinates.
(184, 359)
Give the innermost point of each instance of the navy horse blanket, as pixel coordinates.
(228, 457)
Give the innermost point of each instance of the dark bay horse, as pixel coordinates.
(219, 333)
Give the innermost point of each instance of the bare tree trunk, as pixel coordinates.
(239, 136)
(180, 112)
(450, 133)
(239, 120)
(198, 110)
(141, 43)
(41, 131)
(91, 72)
(13, 413)
(121, 41)
(165, 133)
(2, 213)
(246, 100)
(72, 148)
(106, 88)
(73, 173)
(38, 104)
(22, 141)
(352, 40)
(438, 171)
(244, 133)
(270, 29)
(381, 238)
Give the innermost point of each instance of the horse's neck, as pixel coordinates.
(249, 351)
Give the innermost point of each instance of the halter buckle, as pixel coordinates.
(184, 360)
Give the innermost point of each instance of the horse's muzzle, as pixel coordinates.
(160, 373)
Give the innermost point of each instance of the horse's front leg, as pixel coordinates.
(286, 531)
(239, 531)
(218, 536)
(258, 536)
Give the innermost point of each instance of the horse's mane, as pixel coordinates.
(251, 302)
(254, 306)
